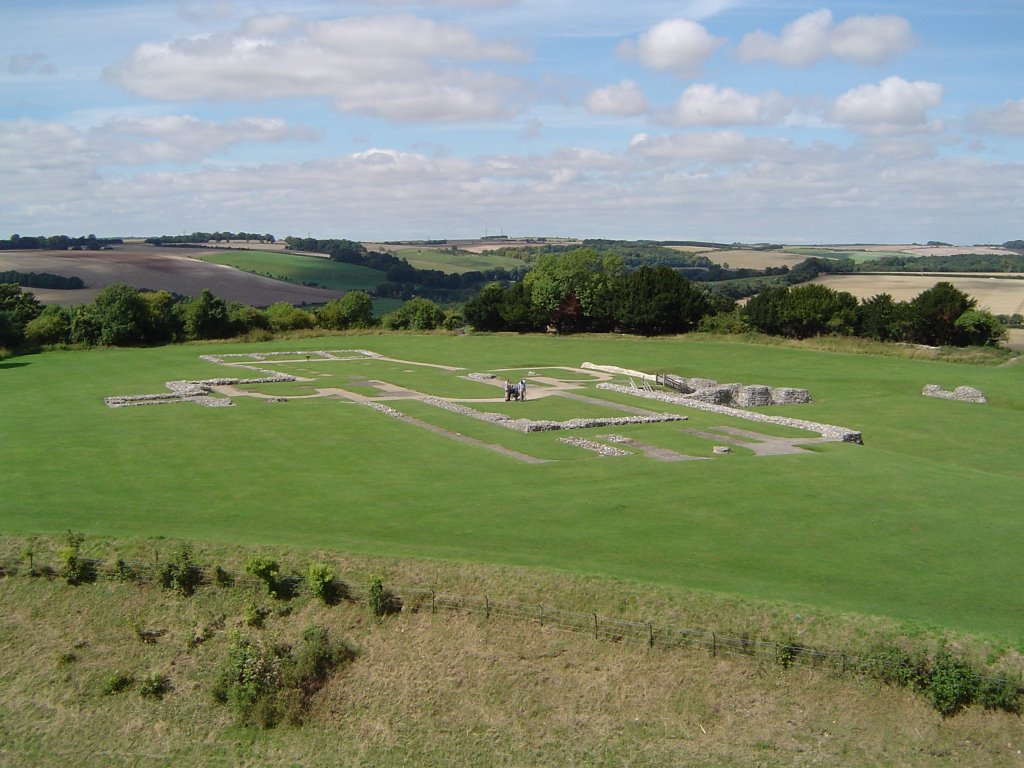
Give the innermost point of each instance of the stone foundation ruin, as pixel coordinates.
(963, 394)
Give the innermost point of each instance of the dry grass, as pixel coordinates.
(442, 690)
(999, 296)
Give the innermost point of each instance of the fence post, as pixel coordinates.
(433, 608)
(595, 626)
(487, 608)
(541, 614)
(714, 644)
(842, 658)
(650, 635)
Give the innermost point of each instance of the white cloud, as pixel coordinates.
(1007, 119)
(892, 106)
(702, 104)
(392, 67)
(626, 98)
(812, 37)
(679, 46)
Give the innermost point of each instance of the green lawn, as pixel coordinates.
(921, 523)
(299, 268)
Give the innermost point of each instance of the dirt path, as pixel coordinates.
(761, 445)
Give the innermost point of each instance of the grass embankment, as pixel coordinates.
(446, 689)
(918, 524)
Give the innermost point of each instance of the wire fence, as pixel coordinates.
(418, 599)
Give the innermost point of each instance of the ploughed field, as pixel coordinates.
(921, 523)
(159, 269)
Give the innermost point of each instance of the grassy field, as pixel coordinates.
(434, 690)
(299, 268)
(451, 261)
(918, 524)
(1000, 295)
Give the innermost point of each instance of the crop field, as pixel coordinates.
(156, 269)
(919, 524)
(299, 268)
(1000, 295)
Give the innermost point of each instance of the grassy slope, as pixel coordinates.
(446, 690)
(299, 268)
(917, 524)
(449, 262)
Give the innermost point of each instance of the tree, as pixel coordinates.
(484, 311)
(18, 304)
(979, 328)
(205, 317)
(657, 300)
(122, 315)
(163, 324)
(875, 317)
(415, 315)
(575, 291)
(53, 326)
(353, 310)
(935, 312)
(285, 317)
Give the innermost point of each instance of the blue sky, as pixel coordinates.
(732, 120)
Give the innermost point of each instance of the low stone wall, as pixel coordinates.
(828, 431)
(598, 448)
(198, 392)
(962, 394)
(531, 425)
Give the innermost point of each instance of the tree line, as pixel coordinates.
(201, 238)
(124, 316)
(57, 243)
(42, 280)
(586, 291)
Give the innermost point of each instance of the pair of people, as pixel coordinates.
(515, 391)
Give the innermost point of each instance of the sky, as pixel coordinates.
(784, 121)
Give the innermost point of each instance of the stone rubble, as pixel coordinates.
(198, 392)
(828, 431)
(962, 394)
(590, 445)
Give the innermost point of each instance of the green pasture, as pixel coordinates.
(449, 261)
(921, 523)
(299, 268)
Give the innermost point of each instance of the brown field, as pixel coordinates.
(999, 296)
(158, 269)
(744, 259)
(914, 249)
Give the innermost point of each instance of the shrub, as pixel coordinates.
(115, 683)
(180, 573)
(377, 597)
(952, 685)
(28, 553)
(254, 615)
(154, 686)
(319, 580)
(65, 658)
(788, 652)
(73, 568)
(1000, 693)
(124, 572)
(268, 684)
(894, 666)
(268, 571)
(222, 578)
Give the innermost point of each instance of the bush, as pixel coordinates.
(115, 683)
(222, 578)
(73, 568)
(1000, 693)
(154, 686)
(254, 615)
(268, 684)
(952, 685)
(268, 571)
(894, 666)
(180, 573)
(319, 580)
(788, 652)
